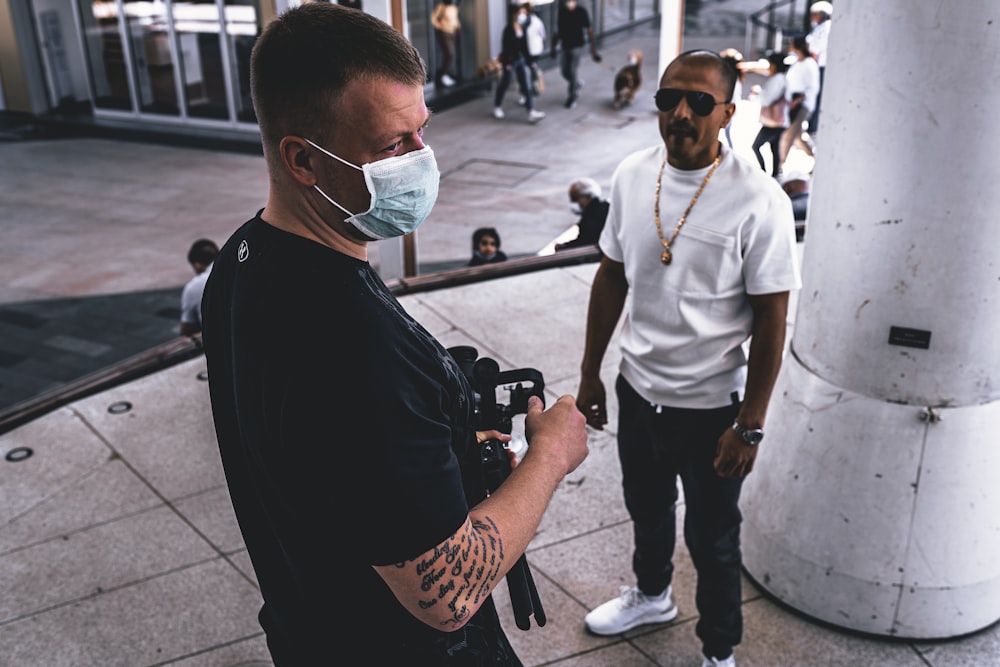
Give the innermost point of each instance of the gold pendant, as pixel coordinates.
(666, 256)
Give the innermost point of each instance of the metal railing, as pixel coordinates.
(183, 348)
(768, 28)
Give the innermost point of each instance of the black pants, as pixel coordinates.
(446, 44)
(772, 137)
(519, 69)
(814, 118)
(656, 445)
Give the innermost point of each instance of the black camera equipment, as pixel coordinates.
(485, 376)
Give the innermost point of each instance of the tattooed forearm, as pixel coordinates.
(461, 572)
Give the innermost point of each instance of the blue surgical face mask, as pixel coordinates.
(403, 190)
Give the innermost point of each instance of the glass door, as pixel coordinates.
(171, 59)
(241, 34)
(106, 56)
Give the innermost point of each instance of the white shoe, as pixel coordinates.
(630, 609)
(498, 112)
(447, 80)
(715, 662)
(522, 100)
(534, 115)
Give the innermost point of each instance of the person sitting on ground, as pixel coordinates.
(796, 186)
(585, 200)
(486, 247)
(200, 256)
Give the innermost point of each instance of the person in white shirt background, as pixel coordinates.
(200, 257)
(534, 32)
(820, 13)
(801, 90)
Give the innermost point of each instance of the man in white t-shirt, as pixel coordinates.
(819, 14)
(200, 257)
(691, 402)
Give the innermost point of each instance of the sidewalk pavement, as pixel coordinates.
(117, 541)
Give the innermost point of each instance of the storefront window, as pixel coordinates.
(189, 59)
(241, 34)
(106, 55)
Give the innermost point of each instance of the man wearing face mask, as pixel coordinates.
(345, 429)
(585, 201)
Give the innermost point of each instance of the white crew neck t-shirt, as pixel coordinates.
(686, 322)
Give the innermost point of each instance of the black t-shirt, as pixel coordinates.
(573, 26)
(342, 425)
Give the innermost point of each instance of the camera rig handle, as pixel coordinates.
(485, 376)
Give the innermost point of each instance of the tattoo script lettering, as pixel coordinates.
(461, 572)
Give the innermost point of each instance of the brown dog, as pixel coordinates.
(491, 69)
(628, 80)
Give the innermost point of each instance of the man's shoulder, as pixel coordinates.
(635, 163)
(753, 182)
(642, 154)
(197, 283)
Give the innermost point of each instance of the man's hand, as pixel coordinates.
(733, 458)
(560, 430)
(483, 436)
(591, 401)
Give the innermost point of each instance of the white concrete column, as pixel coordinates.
(671, 34)
(875, 504)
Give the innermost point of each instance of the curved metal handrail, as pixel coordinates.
(767, 19)
(183, 348)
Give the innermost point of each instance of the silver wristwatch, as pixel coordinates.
(751, 436)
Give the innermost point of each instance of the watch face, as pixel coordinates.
(751, 436)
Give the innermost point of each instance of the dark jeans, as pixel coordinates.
(520, 69)
(814, 118)
(656, 445)
(569, 67)
(771, 136)
(446, 44)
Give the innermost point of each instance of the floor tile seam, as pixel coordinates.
(190, 656)
(570, 538)
(766, 598)
(101, 591)
(81, 530)
(145, 481)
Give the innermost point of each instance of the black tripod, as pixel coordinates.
(484, 375)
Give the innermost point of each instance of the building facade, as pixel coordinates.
(183, 65)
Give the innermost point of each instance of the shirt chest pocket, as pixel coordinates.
(709, 262)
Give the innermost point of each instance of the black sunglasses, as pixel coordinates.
(701, 103)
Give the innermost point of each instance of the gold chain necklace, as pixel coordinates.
(667, 256)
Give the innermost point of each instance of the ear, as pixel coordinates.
(730, 112)
(297, 160)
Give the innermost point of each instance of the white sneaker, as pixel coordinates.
(715, 662)
(447, 80)
(498, 112)
(534, 115)
(522, 100)
(630, 609)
